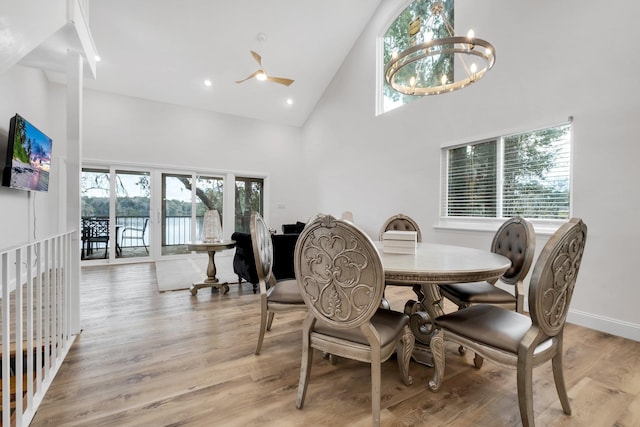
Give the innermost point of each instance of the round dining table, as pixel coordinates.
(429, 266)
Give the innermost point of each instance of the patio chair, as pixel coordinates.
(136, 234)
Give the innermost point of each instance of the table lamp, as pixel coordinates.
(211, 228)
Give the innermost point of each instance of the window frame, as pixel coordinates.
(398, 10)
(543, 226)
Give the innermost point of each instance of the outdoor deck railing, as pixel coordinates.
(37, 313)
(177, 229)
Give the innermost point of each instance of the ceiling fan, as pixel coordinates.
(260, 74)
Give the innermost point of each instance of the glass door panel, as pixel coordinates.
(249, 198)
(176, 213)
(95, 190)
(209, 195)
(133, 191)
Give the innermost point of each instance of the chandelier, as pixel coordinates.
(427, 66)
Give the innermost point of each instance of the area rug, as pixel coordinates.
(178, 274)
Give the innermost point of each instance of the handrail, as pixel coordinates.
(37, 313)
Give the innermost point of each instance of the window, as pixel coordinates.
(408, 29)
(524, 174)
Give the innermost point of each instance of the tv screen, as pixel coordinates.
(28, 157)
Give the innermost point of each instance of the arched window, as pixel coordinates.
(414, 25)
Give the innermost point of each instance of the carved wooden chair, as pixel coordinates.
(513, 339)
(516, 240)
(401, 222)
(341, 279)
(275, 296)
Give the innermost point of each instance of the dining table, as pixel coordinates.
(424, 269)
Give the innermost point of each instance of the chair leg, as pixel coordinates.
(478, 361)
(263, 325)
(376, 369)
(404, 348)
(558, 377)
(305, 364)
(525, 393)
(271, 314)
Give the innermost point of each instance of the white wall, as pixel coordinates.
(125, 129)
(554, 60)
(27, 216)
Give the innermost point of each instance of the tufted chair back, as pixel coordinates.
(262, 251)
(516, 240)
(401, 222)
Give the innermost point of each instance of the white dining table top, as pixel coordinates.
(436, 263)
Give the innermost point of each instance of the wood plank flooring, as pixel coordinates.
(146, 358)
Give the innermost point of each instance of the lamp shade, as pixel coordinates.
(211, 228)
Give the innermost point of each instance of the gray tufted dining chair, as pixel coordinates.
(341, 279)
(516, 240)
(401, 222)
(513, 339)
(275, 295)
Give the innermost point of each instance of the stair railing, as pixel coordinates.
(38, 306)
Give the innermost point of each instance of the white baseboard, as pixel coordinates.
(605, 324)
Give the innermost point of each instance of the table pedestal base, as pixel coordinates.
(211, 281)
(428, 306)
(422, 354)
(206, 283)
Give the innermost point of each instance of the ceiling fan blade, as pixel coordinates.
(257, 57)
(249, 77)
(281, 80)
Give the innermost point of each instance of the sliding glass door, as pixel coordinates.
(116, 213)
(124, 207)
(249, 198)
(133, 209)
(95, 191)
(183, 207)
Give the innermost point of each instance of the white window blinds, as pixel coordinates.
(524, 174)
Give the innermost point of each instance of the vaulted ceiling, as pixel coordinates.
(163, 50)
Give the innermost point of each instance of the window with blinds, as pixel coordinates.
(525, 174)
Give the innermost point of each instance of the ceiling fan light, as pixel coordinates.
(261, 76)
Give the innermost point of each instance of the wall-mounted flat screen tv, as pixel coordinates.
(28, 157)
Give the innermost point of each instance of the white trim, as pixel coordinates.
(541, 227)
(605, 324)
(88, 163)
(474, 139)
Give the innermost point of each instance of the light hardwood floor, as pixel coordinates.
(151, 359)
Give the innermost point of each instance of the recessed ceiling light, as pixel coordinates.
(97, 58)
(207, 82)
(289, 101)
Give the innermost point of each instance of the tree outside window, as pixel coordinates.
(398, 37)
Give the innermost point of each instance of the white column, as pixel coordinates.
(74, 162)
